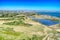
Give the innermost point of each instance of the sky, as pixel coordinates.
(30, 5)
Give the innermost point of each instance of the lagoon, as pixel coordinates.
(46, 22)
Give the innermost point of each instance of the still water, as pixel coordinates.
(46, 22)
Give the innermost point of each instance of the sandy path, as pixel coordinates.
(1, 22)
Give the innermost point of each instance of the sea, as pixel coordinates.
(57, 14)
(48, 22)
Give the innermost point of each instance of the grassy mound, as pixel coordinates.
(17, 23)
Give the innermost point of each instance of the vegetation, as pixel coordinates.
(8, 14)
(19, 20)
(10, 34)
(17, 23)
(13, 27)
